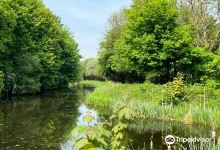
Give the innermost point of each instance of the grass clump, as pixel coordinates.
(93, 83)
(173, 101)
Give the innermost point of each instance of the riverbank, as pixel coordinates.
(199, 104)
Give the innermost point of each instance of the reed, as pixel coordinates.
(200, 104)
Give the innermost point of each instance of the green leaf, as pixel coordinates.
(81, 143)
(112, 117)
(88, 118)
(90, 133)
(115, 143)
(125, 112)
(119, 136)
(119, 127)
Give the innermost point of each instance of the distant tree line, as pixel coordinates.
(37, 52)
(90, 70)
(158, 40)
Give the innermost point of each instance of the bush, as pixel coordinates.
(175, 93)
(211, 83)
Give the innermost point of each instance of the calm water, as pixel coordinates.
(45, 122)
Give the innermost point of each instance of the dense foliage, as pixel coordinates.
(205, 16)
(153, 44)
(90, 70)
(36, 51)
(107, 46)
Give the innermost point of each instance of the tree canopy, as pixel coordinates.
(154, 45)
(36, 51)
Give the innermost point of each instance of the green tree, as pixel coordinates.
(115, 27)
(203, 15)
(90, 70)
(155, 45)
(36, 51)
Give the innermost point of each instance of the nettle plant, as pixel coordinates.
(90, 137)
(108, 135)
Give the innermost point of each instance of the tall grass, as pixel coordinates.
(201, 104)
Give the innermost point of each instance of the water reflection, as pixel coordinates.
(148, 132)
(83, 110)
(40, 122)
(45, 123)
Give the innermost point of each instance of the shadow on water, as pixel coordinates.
(40, 122)
(152, 133)
(44, 123)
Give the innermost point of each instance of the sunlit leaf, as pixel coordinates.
(125, 112)
(88, 118)
(81, 143)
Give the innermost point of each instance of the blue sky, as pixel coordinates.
(87, 19)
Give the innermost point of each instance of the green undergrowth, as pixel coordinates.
(93, 83)
(174, 101)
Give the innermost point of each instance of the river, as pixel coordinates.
(44, 122)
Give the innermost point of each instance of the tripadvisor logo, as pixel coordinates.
(169, 139)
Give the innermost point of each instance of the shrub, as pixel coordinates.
(212, 83)
(175, 93)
